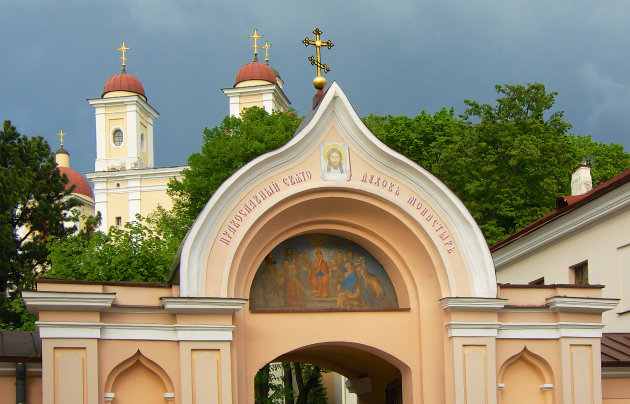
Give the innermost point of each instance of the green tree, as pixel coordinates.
(413, 137)
(140, 251)
(270, 388)
(34, 205)
(508, 161)
(605, 160)
(225, 149)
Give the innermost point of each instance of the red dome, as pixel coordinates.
(124, 82)
(256, 71)
(74, 178)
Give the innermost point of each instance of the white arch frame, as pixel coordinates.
(471, 243)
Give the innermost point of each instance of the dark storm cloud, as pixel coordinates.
(395, 57)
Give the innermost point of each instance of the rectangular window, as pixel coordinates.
(579, 273)
(118, 220)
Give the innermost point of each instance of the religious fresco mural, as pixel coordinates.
(321, 272)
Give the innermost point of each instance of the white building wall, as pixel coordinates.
(606, 247)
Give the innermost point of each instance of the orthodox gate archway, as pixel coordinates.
(332, 191)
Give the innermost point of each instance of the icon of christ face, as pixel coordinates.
(334, 159)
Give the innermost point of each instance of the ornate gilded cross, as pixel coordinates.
(123, 49)
(255, 45)
(266, 48)
(319, 82)
(61, 134)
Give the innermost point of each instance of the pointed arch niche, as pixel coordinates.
(122, 383)
(525, 378)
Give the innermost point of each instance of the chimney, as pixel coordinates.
(581, 180)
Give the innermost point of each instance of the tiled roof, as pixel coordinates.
(616, 349)
(23, 346)
(565, 205)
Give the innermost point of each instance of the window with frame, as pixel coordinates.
(579, 273)
(117, 137)
(118, 221)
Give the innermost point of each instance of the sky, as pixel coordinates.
(395, 57)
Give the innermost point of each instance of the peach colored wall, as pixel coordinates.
(33, 389)
(616, 390)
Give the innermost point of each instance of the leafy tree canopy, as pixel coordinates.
(507, 161)
(34, 206)
(140, 251)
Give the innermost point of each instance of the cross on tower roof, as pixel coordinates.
(61, 134)
(266, 48)
(255, 37)
(319, 82)
(123, 49)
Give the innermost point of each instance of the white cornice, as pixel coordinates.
(67, 301)
(125, 100)
(550, 330)
(135, 174)
(524, 330)
(123, 331)
(274, 89)
(611, 203)
(202, 305)
(472, 329)
(581, 304)
(472, 304)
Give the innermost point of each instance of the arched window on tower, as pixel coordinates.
(117, 137)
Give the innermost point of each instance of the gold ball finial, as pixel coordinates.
(319, 82)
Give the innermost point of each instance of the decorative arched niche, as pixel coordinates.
(321, 272)
(525, 378)
(121, 386)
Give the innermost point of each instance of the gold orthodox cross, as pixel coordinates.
(319, 81)
(255, 45)
(61, 134)
(123, 49)
(266, 48)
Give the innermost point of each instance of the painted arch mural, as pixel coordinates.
(321, 272)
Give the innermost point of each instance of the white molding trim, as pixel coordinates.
(67, 301)
(472, 304)
(108, 397)
(613, 202)
(581, 304)
(472, 329)
(471, 244)
(202, 305)
(150, 332)
(524, 330)
(546, 387)
(136, 173)
(126, 100)
(550, 330)
(169, 396)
